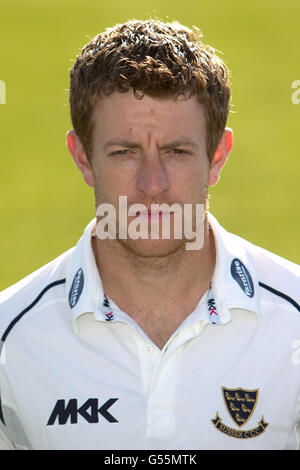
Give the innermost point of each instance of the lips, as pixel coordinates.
(150, 214)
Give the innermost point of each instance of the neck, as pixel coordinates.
(167, 288)
(128, 278)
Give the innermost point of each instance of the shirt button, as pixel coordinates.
(148, 349)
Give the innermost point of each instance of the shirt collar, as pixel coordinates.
(234, 282)
(84, 288)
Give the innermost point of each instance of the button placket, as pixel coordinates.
(148, 349)
(148, 357)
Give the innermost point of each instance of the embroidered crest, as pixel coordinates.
(240, 404)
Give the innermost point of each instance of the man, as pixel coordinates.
(140, 343)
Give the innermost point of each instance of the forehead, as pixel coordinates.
(124, 113)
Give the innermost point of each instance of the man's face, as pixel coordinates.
(153, 151)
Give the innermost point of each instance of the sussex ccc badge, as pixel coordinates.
(240, 404)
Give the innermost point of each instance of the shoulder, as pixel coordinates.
(44, 284)
(274, 279)
(278, 278)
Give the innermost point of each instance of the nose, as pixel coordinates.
(152, 178)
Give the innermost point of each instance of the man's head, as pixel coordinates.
(163, 60)
(149, 105)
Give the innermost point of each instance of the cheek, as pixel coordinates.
(112, 181)
(190, 180)
(213, 176)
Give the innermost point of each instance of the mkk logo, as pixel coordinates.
(90, 411)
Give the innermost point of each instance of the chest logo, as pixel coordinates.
(240, 404)
(90, 411)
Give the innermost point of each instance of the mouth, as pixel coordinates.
(153, 215)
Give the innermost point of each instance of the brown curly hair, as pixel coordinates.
(163, 60)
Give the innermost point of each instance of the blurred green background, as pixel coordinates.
(44, 203)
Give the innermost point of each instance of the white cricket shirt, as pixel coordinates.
(76, 372)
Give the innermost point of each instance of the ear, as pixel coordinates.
(220, 156)
(79, 157)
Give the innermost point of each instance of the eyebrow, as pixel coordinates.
(120, 143)
(179, 142)
(130, 144)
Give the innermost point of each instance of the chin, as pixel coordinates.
(153, 248)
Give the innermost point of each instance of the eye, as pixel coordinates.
(121, 152)
(179, 151)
